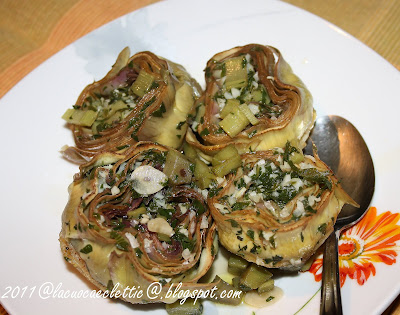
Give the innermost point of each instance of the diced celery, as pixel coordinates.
(234, 122)
(203, 174)
(230, 105)
(266, 286)
(236, 282)
(296, 157)
(237, 265)
(80, 117)
(136, 213)
(249, 115)
(187, 308)
(234, 64)
(88, 118)
(254, 277)
(142, 83)
(236, 74)
(163, 237)
(256, 96)
(224, 287)
(68, 114)
(189, 151)
(227, 166)
(177, 168)
(115, 107)
(226, 153)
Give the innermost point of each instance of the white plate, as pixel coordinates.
(345, 77)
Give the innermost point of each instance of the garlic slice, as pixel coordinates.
(147, 180)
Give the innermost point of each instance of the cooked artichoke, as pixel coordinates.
(252, 100)
(278, 208)
(127, 223)
(143, 97)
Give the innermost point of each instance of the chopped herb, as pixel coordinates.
(123, 147)
(233, 223)
(87, 249)
(159, 112)
(272, 241)
(139, 253)
(250, 233)
(322, 228)
(198, 207)
(240, 205)
(270, 298)
(180, 124)
(214, 191)
(252, 134)
(184, 240)
(121, 243)
(204, 132)
(110, 285)
(256, 249)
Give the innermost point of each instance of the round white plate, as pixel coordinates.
(345, 77)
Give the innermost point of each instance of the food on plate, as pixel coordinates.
(133, 219)
(143, 97)
(252, 100)
(278, 207)
(141, 212)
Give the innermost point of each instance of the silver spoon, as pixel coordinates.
(343, 149)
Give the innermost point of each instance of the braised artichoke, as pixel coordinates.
(278, 208)
(252, 100)
(127, 222)
(143, 97)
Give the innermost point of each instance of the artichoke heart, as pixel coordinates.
(142, 98)
(122, 228)
(252, 100)
(278, 208)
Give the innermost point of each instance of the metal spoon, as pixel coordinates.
(343, 149)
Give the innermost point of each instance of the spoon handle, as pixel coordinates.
(331, 301)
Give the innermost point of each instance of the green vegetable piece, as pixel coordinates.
(256, 96)
(163, 237)
(226, 153)
(254, 276)
(80, 117)
(296, 157)
(266, 286)
(234, 299)
(177, 168)
(142, 84)
(236, 282)
(202, 174)
(227, 166)
(230, 105)
(237, 265)
(187, 308)
(249, 115)
(136, 213)
(236, 74)
(189, 151)
(234, 122)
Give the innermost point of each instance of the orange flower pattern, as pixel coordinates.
(371, 240)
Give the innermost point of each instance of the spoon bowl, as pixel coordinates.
(343, 149)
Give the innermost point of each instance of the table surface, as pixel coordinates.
(30, 33)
